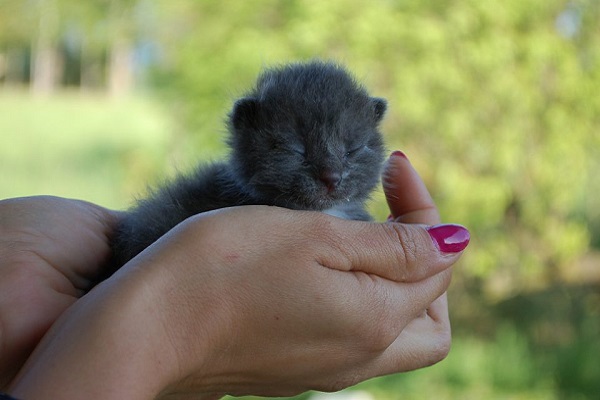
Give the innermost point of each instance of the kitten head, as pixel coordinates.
(306, 137)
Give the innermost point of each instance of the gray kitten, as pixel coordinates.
(305, 137)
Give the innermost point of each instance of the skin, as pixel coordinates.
(50, 248)
(222, 303)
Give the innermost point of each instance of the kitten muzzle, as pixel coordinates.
(331, 179)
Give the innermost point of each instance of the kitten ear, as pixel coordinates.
(379, 107)
(244, 113)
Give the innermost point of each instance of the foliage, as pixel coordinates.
(80, 146)
(494, 102)
(537, 346)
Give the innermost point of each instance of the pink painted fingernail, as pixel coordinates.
(399, 153)
(449, 238)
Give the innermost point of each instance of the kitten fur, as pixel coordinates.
(305, 137)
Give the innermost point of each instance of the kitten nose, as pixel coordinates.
(331, 179)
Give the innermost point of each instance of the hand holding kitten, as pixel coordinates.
(305, 137)
(297, 301)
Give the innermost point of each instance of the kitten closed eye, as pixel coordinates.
(297, 149)
(291, 148)
(355, 150)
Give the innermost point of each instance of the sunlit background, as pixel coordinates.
(496, 103)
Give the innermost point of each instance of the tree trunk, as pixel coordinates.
(120, 65)
(120, 72)
(92, 69)
(45, 66)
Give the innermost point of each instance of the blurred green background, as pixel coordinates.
(497, 104)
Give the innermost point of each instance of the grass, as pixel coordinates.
(80, 146)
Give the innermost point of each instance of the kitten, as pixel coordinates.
(305, 137)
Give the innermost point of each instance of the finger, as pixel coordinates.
(438, 311)
(399, 252)
(428, 340)
(423, 342)
(414, 343)
(406, 302)
(408, 198)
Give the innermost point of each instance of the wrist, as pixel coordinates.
(192, 317)
(182, 323)
(107, 345)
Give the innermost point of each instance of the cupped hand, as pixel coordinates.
(348, 302)
(259, 300)
(50, 250)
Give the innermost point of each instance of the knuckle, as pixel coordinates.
(340, 383)
(407, 252)
(328, 241)
(439, 351)
(440, 346)
(318, 221)
(322, 227)
(380, 328)
(445, 340)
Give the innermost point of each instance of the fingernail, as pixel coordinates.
(390, 218)
(399, 153)
(449, 238)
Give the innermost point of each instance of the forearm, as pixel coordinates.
(104, 346)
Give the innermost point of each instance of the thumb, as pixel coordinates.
(395, 251)
(406, 194)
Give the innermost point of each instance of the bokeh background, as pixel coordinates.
(496, 103)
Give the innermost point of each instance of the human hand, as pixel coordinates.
(258, 300)
(50, 250)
